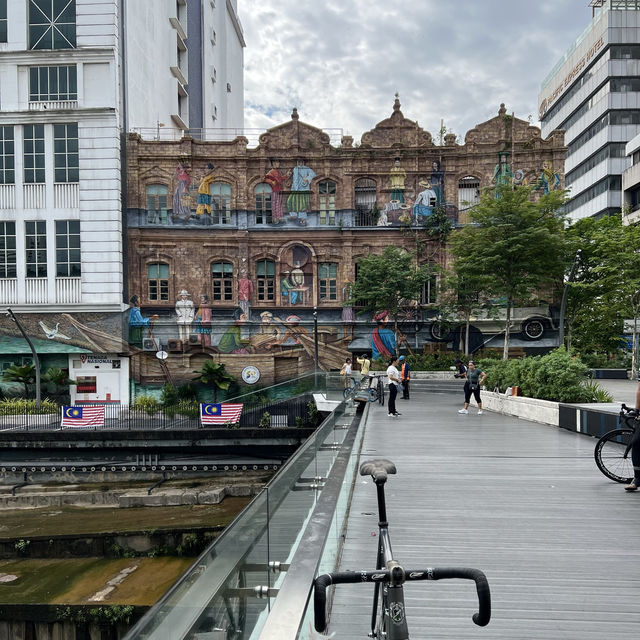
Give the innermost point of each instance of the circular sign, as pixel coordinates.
(162, 355)
(251, 374)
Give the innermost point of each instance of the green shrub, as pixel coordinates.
(556, 376)
(147, 404)
(16, 406)
(597, 393)
(606, 361)
(265, 420)
(169, 396)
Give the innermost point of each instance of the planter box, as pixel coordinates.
(609, 374)
(543, 411)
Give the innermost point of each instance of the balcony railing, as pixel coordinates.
(7, 196)
(36, 291)
(35, 196)
(48, 105)
(68, 290)
(66, 195)
(8, 291)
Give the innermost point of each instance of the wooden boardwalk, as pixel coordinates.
(524, 502)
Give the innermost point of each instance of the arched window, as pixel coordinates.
(158, 281)
(468, 192)
(263, 203)
(266, 280)
(327, 201)
(365, 200)
(220, 202)
(156, 204)
(222, 281)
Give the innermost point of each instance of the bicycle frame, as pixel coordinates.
(389, 577)
(395, 621)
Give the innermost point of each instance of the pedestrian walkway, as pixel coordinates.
(524, 502)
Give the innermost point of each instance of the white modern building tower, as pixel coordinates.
(593, 93)
(75, 77)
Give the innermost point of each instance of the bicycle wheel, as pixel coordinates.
(381, 393)
(347, 392)
(373, 394)
(613, 455)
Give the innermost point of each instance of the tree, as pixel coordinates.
(460, 297)
(59, 379)
(516, 246)
(390, 281)
(607, 286)
(23, 374)
(214, 374)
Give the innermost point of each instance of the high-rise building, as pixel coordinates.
(75, 75)
(593, 93)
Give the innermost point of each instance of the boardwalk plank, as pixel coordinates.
(524, 502)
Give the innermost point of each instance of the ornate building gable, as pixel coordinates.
(397, 131)
(505, 128)
(293, 137)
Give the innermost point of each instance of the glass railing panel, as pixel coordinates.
(218, 593)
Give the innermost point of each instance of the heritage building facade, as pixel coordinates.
(233, 252)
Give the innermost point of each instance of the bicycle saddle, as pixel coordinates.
(378, 469)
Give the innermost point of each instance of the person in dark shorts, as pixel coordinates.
(634, 485)
(475, 379)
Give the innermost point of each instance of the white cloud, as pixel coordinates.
(340, 63)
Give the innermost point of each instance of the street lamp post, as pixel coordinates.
(565, 293)
(315, 345)
(36, 361)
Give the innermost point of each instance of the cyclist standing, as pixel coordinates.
(634, 485)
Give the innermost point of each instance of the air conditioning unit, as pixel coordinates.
(194, 339)
(149, 344)
(174, 345)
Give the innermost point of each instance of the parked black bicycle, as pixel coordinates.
(613, 450)
(388, 620)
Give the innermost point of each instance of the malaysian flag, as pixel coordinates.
(83, 416)
(220, 413)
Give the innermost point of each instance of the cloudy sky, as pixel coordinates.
(340, 62)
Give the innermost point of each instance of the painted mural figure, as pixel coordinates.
(292, 331)
(549, 179)
(398, 175)
(348, 316)
(203, 320)
(297, 279)
(269, 334)
(502, 171)
(137, 322)
(383, 340)
(181, 210)
(276, 179)
(298, 201)
(184, 314)
(232, 340)
(286, 289)
(204, 197)
(425, 201)
(245, 290)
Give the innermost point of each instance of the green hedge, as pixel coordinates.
(557, 376)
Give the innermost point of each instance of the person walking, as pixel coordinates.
(475, 378)
(461, 370)
(346, 372)
(393, 380)
(405, 376)
(365, 365)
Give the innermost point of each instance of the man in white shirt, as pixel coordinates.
(393, 379)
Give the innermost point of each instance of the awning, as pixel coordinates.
(10, 345)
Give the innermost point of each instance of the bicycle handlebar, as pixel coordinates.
(628, 410)
(322, 582)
